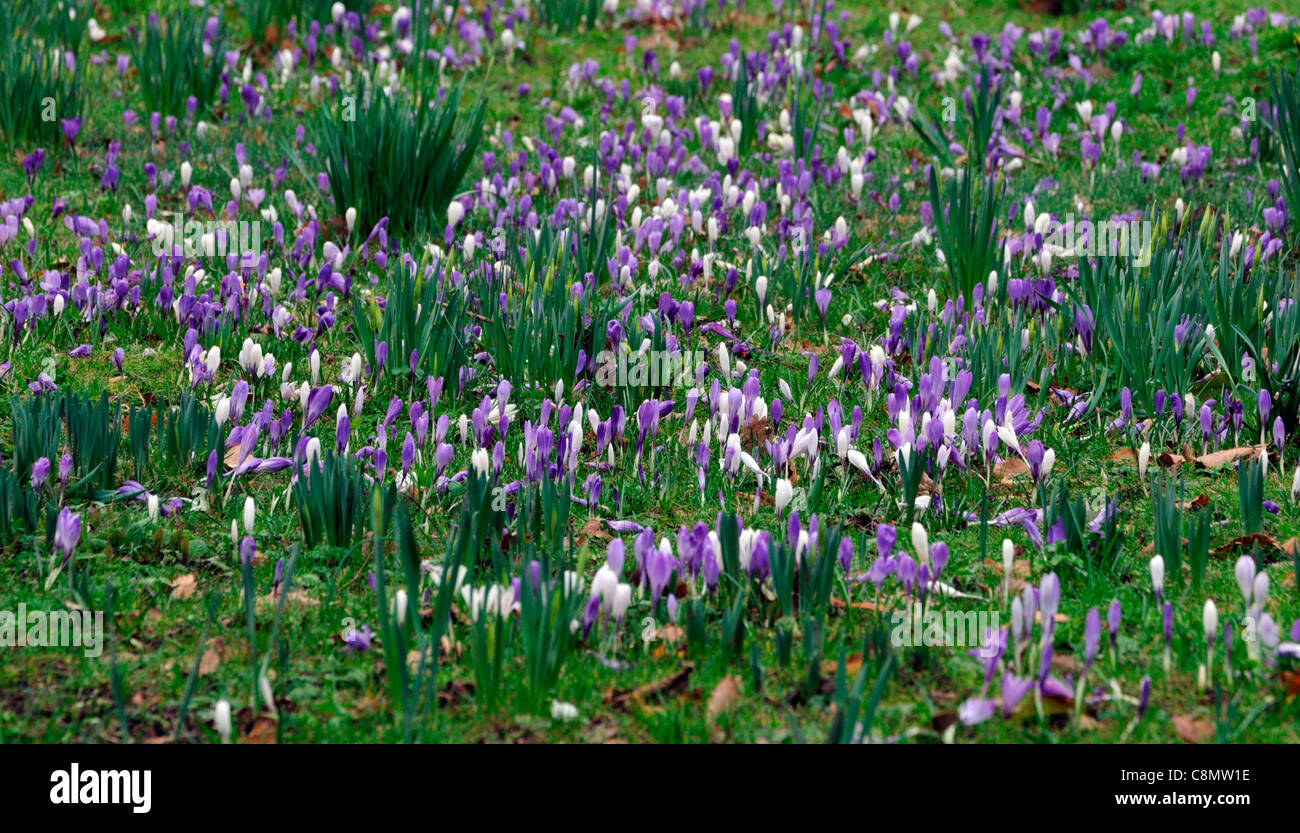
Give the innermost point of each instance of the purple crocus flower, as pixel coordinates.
(67, 532)
(318, 401)
(938, 557)
(358, 640)
(659, 566)
(1091, 637)
(71, 127)
(1112, 621)
(886, 537)
(40, 473)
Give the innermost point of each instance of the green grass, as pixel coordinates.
(326, 694)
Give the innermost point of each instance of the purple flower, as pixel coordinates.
(358, 640)
(886, 537)
(659, 566)
(1091, 637)
(71, 127)
(976, 710)
(40, 473)
(67, 532)
(318, 401)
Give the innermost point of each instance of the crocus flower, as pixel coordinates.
(1210, 619)
(1091, 637)
(1245, 574)
(40, 473)
(67, 532)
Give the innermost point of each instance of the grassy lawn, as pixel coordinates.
(789, 256)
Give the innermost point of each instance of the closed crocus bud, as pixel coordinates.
(1008, 560)
(1216, 61)
(1144, 457)
(399, 608)
(222, 412)
(1210, 619)
(350, 217)
(1245, 572)
(1158, 574)
(221, 720)
(1259, 592)
(187, 171)
(235, 189)
(921, 542)
(250, 515)
(622, 600)
(784, 492)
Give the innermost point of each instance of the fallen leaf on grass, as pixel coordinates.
(296, 598)
(1255, 539)
(183, 587)
(670, 633)
(852, 665)
(1020, 574)
(840, 604)
(674, 682)
(209, 662)
(1011, 467)
(1191, 730)
(1292, 681)
(261, 732)
(1215, 459)
(723, 699)
(592, 529)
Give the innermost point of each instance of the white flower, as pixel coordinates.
(481, 461)
(250, 514)
(1210, 618)
(784, 493)
(1144, 457)
(622, 600)
(921, 542)
(399, 608)
(563, 711)
(1158, 573)
(1245, 573)
(221, 719)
